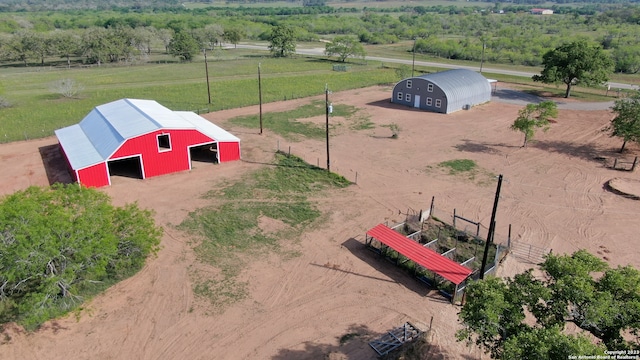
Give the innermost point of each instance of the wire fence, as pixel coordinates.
(319, 160)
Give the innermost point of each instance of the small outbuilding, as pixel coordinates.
(542, 11)
(141, 138)
(443, 92)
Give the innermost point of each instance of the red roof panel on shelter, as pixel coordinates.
(421, 255)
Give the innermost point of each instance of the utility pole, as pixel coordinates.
(206, 70)
(492, 228)
(260, 96)
(413, 63)
(327, 111)
(484, 45)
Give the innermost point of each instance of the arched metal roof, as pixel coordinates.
(461, 87)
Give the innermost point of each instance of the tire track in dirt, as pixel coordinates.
(552, 195)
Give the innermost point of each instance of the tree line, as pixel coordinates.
(56, 5)
(512, 38)
(98, 45)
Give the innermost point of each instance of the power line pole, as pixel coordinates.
(260, 96)
(327, 111)
(492, 228)
(413, 63)
(206, 70)
(484, 45)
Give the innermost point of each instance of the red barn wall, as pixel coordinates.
(94, 176)
(157, 162)
(228, 151)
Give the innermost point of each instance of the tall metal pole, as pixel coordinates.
(260, 96)
(413, 63)
(484, 45)
(326, 103)
(492, 228)
(206, 69)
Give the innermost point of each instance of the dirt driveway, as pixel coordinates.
(301, 307)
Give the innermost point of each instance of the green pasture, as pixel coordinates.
(277, 192)
(37, 111)
(287, 124)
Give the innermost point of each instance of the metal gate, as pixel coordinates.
(528, 252)
(395, 338)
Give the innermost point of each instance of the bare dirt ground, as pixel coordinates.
(554, 195)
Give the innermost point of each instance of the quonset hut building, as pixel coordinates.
(443, 92)
(142, 137)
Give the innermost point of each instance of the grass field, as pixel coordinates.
(37, 111)
(286, 123)
(278, 193)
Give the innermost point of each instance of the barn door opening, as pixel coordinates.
(205, 153)
(416, 101)
(130, 167)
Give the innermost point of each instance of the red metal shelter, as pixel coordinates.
(425, 257)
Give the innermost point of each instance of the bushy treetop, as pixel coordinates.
(578, 288)
(62, 244)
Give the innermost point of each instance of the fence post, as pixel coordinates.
(356, 177)
(454, 219)
(433, 198)
(509, 238)
(635, 162)
(278, 146)
(289, 150)
(615, 162)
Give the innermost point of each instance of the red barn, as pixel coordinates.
(141, 138)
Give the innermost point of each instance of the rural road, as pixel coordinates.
(501, 95)
(320, 51)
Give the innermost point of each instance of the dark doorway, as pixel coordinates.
(129, 167)
(205, 153)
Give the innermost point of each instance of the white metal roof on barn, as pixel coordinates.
(207, 127)
(458, 83)
(108, 126)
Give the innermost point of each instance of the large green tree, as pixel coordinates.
(534, 116)
(21, 46)
(233, 35)
(345, 46)
(66, 44)
(282, 41)
(627, 59)
(96, 45)
(209, 36)
(626, 124)
(62, 244)
(184, 46)
(524, 317)
(577, 62)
